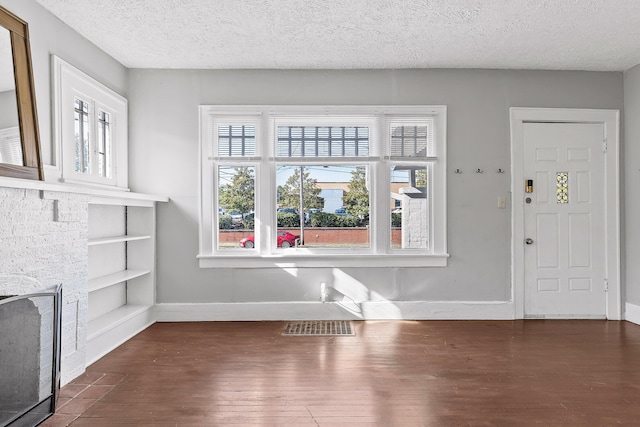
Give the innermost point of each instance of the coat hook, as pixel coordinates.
(458, 171)
(500, 170)
(479, 170)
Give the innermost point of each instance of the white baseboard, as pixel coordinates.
(632, 313)
(370, 310)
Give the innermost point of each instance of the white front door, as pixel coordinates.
(564, 220)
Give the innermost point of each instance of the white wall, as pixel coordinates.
(164, 160)
(631, 201)
(164, 154)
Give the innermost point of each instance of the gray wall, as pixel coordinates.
(164, 154)
(631, 201)
(164, 158)
(48, 35)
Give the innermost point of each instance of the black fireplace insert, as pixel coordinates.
(30, 328)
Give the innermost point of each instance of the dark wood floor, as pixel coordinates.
(402, 373)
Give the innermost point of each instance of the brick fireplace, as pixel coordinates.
(43, 243)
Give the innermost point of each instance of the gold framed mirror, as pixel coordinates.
(19, 136)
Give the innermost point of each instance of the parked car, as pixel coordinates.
(287, 210)
(236, 217)
(307, 215)
(341, 212)
(285, 240)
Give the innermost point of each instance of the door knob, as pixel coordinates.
(528, 241)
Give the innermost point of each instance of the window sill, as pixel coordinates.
(320, 261)
(93, 183)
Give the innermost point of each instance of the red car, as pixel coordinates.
(285, 240)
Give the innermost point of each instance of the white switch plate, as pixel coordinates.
(502, 202)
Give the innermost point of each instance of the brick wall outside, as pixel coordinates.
(43, 243)
(320, 236)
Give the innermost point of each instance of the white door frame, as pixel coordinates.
(611, 121)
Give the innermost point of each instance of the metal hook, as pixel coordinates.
(500, 170)
(458, 171)
(479, 170)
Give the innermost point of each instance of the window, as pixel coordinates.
(411, 146)
(236, 205)
(81, 136)
(305, 186)
(105, 143)
(91, 129)
(236, 140)
(322, 141)
(10, 148)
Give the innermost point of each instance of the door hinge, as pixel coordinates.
(606, 285)
(605, 145)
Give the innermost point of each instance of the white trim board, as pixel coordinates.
(368, 310)
(611, 121)
(632, 313)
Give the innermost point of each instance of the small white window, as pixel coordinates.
(90, 129)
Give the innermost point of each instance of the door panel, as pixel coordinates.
(580, 249)
(565, 260)
(547, 241)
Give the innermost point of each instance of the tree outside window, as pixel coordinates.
(236, 197)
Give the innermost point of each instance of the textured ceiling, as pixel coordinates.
(347, 34)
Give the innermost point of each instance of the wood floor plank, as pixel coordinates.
(431, 373)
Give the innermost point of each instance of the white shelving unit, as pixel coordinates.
(115, 278)
(121, 285)
(115, 239)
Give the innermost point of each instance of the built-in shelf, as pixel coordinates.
(115, 239)
(115, 278)
(111, 320)
(121, 239)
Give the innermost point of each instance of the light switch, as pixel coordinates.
(502, 202)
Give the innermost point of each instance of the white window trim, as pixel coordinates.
(379, 254)
(69, 83)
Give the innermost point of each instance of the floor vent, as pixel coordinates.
(318, 328)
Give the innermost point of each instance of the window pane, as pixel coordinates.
(236, 205)
(236, 140)
(409, 207)
(322, 141)
(335, 206)
(10, 146)
(81, 127)
(410, 140)
(562, 192)
(104, 144)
